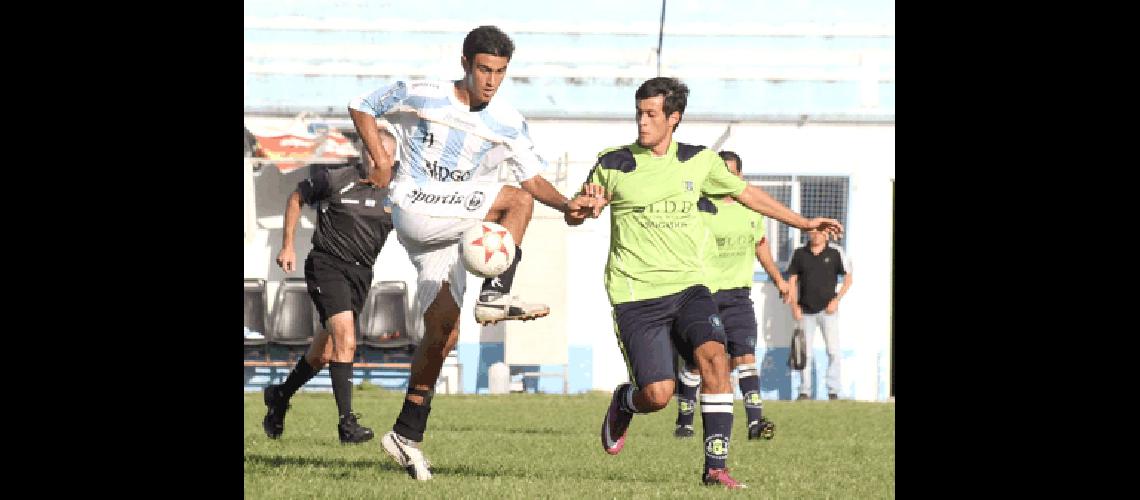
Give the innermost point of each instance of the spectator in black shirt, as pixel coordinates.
(813, 275)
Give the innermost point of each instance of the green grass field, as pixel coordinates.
(547, 446)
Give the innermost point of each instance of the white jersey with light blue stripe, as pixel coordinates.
(439, 139)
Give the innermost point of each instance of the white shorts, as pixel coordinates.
(462, 200)
(432, 244)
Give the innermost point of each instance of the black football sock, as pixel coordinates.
(750, 388)
(341, 375)
(301, 373)
(687, 385)
(501, 284)
(716, 412)
(412, 421)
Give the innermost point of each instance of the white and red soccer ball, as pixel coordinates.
(488, 249)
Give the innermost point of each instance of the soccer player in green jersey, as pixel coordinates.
(657, 265)
(739, 234)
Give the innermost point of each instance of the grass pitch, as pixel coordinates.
(547, 446)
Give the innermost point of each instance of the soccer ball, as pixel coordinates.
(488, 249)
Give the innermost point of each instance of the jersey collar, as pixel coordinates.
(637, 149)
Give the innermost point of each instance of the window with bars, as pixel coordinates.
(808, 195)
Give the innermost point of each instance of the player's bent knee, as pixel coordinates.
(515, 197)
(658, 395)
(524, 199)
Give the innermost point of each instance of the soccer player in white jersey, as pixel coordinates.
(451, 139)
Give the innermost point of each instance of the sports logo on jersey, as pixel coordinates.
(475, 201)
(445, 174)
(688, 185)
(826, 260)
(370, 202)
(417, 196)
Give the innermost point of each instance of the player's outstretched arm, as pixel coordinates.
(574, 210)
(545, 193)
(370, 134)
(760, 201)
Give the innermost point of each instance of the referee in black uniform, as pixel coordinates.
(351, 228)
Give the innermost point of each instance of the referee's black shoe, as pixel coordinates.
(277, 405)
(352, 432)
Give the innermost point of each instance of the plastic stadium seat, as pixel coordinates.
(381, 324)
(256, 315)
(295, 319)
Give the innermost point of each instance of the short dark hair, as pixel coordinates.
(676, 94)
(729, 155)
(487, 40)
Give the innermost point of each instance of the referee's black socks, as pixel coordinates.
(341, 377)
(301, 374)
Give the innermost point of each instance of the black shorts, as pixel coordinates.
(739, 317)
(650, 331)
(335, 285)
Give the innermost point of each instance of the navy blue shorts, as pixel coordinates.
(651, 331)
(739, 317)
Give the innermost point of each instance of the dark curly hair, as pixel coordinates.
(487, 40)
(676, 94)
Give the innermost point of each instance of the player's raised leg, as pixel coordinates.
(643, 334)
(512, 209)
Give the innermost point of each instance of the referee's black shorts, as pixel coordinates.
(335, 285)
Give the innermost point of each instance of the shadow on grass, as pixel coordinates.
(461, 470)
(473, 470)
(326, 462)
(500, 430)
